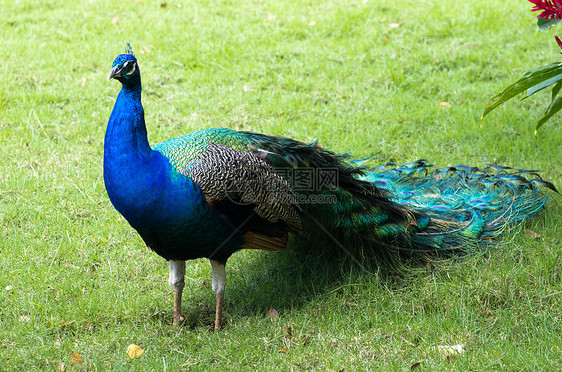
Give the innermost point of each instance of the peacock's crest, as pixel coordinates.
(128, 49)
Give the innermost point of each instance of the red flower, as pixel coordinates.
(551, 9)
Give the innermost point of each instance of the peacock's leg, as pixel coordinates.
(176, 281)
(219, 283)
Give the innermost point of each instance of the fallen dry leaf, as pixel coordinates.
(416, 365)
(134, 351)
(76, 359)
(451, 349)
(444, 105)
(288, 331)
(283, 350)
(163, 5)
(272, 313)
(532, 234)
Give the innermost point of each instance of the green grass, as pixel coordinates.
(75, 278)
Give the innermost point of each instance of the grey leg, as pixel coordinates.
(219, 283)
(176, 281)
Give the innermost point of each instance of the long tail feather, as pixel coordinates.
(465, 205)
(388, 210)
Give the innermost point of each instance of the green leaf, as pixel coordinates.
(542, 85)
(544, 24)
(554, 107)
(555, 91)
(528, 80)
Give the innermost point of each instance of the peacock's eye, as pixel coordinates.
(130, 67)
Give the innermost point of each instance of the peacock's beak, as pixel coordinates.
(115, 72)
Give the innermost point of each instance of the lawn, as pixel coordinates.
(399, 80)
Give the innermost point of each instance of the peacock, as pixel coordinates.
(215, 191)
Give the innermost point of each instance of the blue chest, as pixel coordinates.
(166, 208)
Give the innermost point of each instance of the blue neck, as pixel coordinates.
(140, 181)
(126, 130)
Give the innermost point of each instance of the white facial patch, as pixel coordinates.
(133, 70)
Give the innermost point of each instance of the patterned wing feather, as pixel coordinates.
(224, 173)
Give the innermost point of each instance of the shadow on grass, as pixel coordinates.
(285, 281)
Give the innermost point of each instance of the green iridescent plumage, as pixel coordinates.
(183, 150)
(379, 212)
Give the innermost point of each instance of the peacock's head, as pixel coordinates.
(124, 66)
